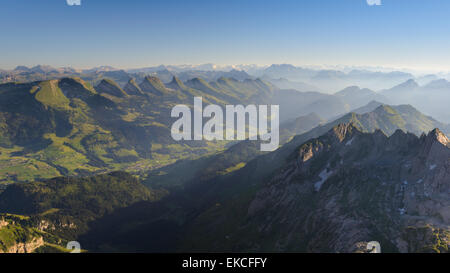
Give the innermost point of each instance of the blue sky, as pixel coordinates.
(132, 33)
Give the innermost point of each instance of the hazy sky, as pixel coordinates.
(132, 33)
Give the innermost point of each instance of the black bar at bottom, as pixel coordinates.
(221, 262)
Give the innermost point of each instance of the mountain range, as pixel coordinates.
(431, 98)
(328, 80)
(88, 156)
(68, 126)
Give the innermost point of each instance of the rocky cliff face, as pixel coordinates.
(342, 190)
(3, 223)
(346, 188)
(27, 247)
(111, 88)
(17, 236)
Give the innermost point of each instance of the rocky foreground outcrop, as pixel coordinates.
(16, 237)
(25, 247)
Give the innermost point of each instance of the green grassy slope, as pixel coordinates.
(67, 127)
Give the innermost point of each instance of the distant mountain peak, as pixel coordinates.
(406, 86)
(21, 68)
(439, 136)
(349, 90)
(355, 90)
(74, 82)
(75, 88)
(411, 82)
(108, 81)
(282, 65)
(197, 80)
(435, 147)
(132, 88)
(384, 108)
(226, 79)
(374, 102)
(177, 84)
(200, 84)
(408, 83)
(344, 130)
(353, 87)
(371, 106)
(103, 68)
(153, 85)
(406, 109)
(41, 66)
(110, 87)
(440, 83)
